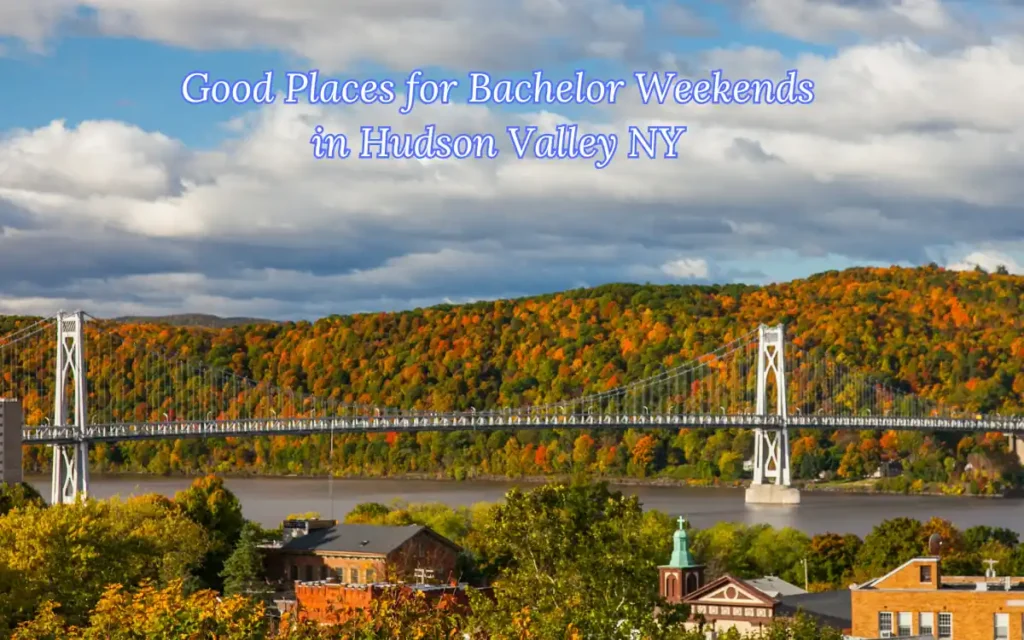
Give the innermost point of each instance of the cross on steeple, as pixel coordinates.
(682, 523)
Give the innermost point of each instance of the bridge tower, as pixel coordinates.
(70, 461)
(771, 484)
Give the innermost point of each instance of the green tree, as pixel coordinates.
(18, 495)
(976, 537)
(572, 564)
(243, 570)
(367, 513)
(212, 506)
(890, 544)
(832, 558)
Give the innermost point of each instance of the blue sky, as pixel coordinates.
(153, 205)
(90, 77)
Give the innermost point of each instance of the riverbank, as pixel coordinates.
(866, 486)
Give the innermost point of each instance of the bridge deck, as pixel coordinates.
(484, 421)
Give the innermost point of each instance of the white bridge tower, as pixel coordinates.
(70, 461)
(771, 484)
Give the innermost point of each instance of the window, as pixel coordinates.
(355, 576)
(1002, 626)
(323, 572)
(926, 624)
(369, 575)
(945, 625)
(885, 624)
(926, 573)
(295, 572)
(309, 573)
(903, 623)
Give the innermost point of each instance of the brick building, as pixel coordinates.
(728, 602)
(10, 441)
(916, 599)
(332, 603)
(321, 550)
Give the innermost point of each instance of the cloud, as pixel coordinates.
(902, 151)
(825, 21)
(988, 259)
(687, 268)
(461, 34)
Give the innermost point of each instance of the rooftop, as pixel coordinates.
(368, 539)
(990, 582)
(775, 587)
(425, 588)
(833, 605)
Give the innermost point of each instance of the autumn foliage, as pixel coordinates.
(948, 336)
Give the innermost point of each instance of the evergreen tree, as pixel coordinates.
(243, 570)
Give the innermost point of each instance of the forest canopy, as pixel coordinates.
(948, 336)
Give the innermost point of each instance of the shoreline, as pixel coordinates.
(856, 487)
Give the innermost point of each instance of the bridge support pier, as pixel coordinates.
(70, 461)
(771, 484)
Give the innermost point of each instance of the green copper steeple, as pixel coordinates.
(681, 556)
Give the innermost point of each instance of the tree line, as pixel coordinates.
(566, 561)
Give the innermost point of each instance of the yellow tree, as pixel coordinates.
(152, 613)
(70, 553)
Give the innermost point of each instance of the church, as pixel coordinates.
(747, 605)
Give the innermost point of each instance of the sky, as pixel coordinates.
(119, 197)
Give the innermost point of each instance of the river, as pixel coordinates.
(269, 500)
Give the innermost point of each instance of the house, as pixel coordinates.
(358, 554)
(731, 602)
(888, 469)
(916, 599)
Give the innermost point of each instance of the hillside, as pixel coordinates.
(948, 335)
(193, 320)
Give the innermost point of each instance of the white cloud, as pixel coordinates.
(876, 170)
(825, 20)
(335, 35)
(990, 260)
(687, 268)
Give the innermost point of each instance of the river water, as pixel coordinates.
(269, 500)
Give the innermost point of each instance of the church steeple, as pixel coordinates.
(682, 575)
(681, 556)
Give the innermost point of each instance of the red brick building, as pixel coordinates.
(359, 554)
(332, 603)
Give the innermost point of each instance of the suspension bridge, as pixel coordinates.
(82, 380)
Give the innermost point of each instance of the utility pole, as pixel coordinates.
(807, 582)
(330, 472)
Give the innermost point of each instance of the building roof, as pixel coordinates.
(729, 589)
(365, 539)
(871, 584)
(681, 556)
(775, 587)
(829, 606)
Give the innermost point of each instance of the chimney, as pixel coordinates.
(292, 529)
